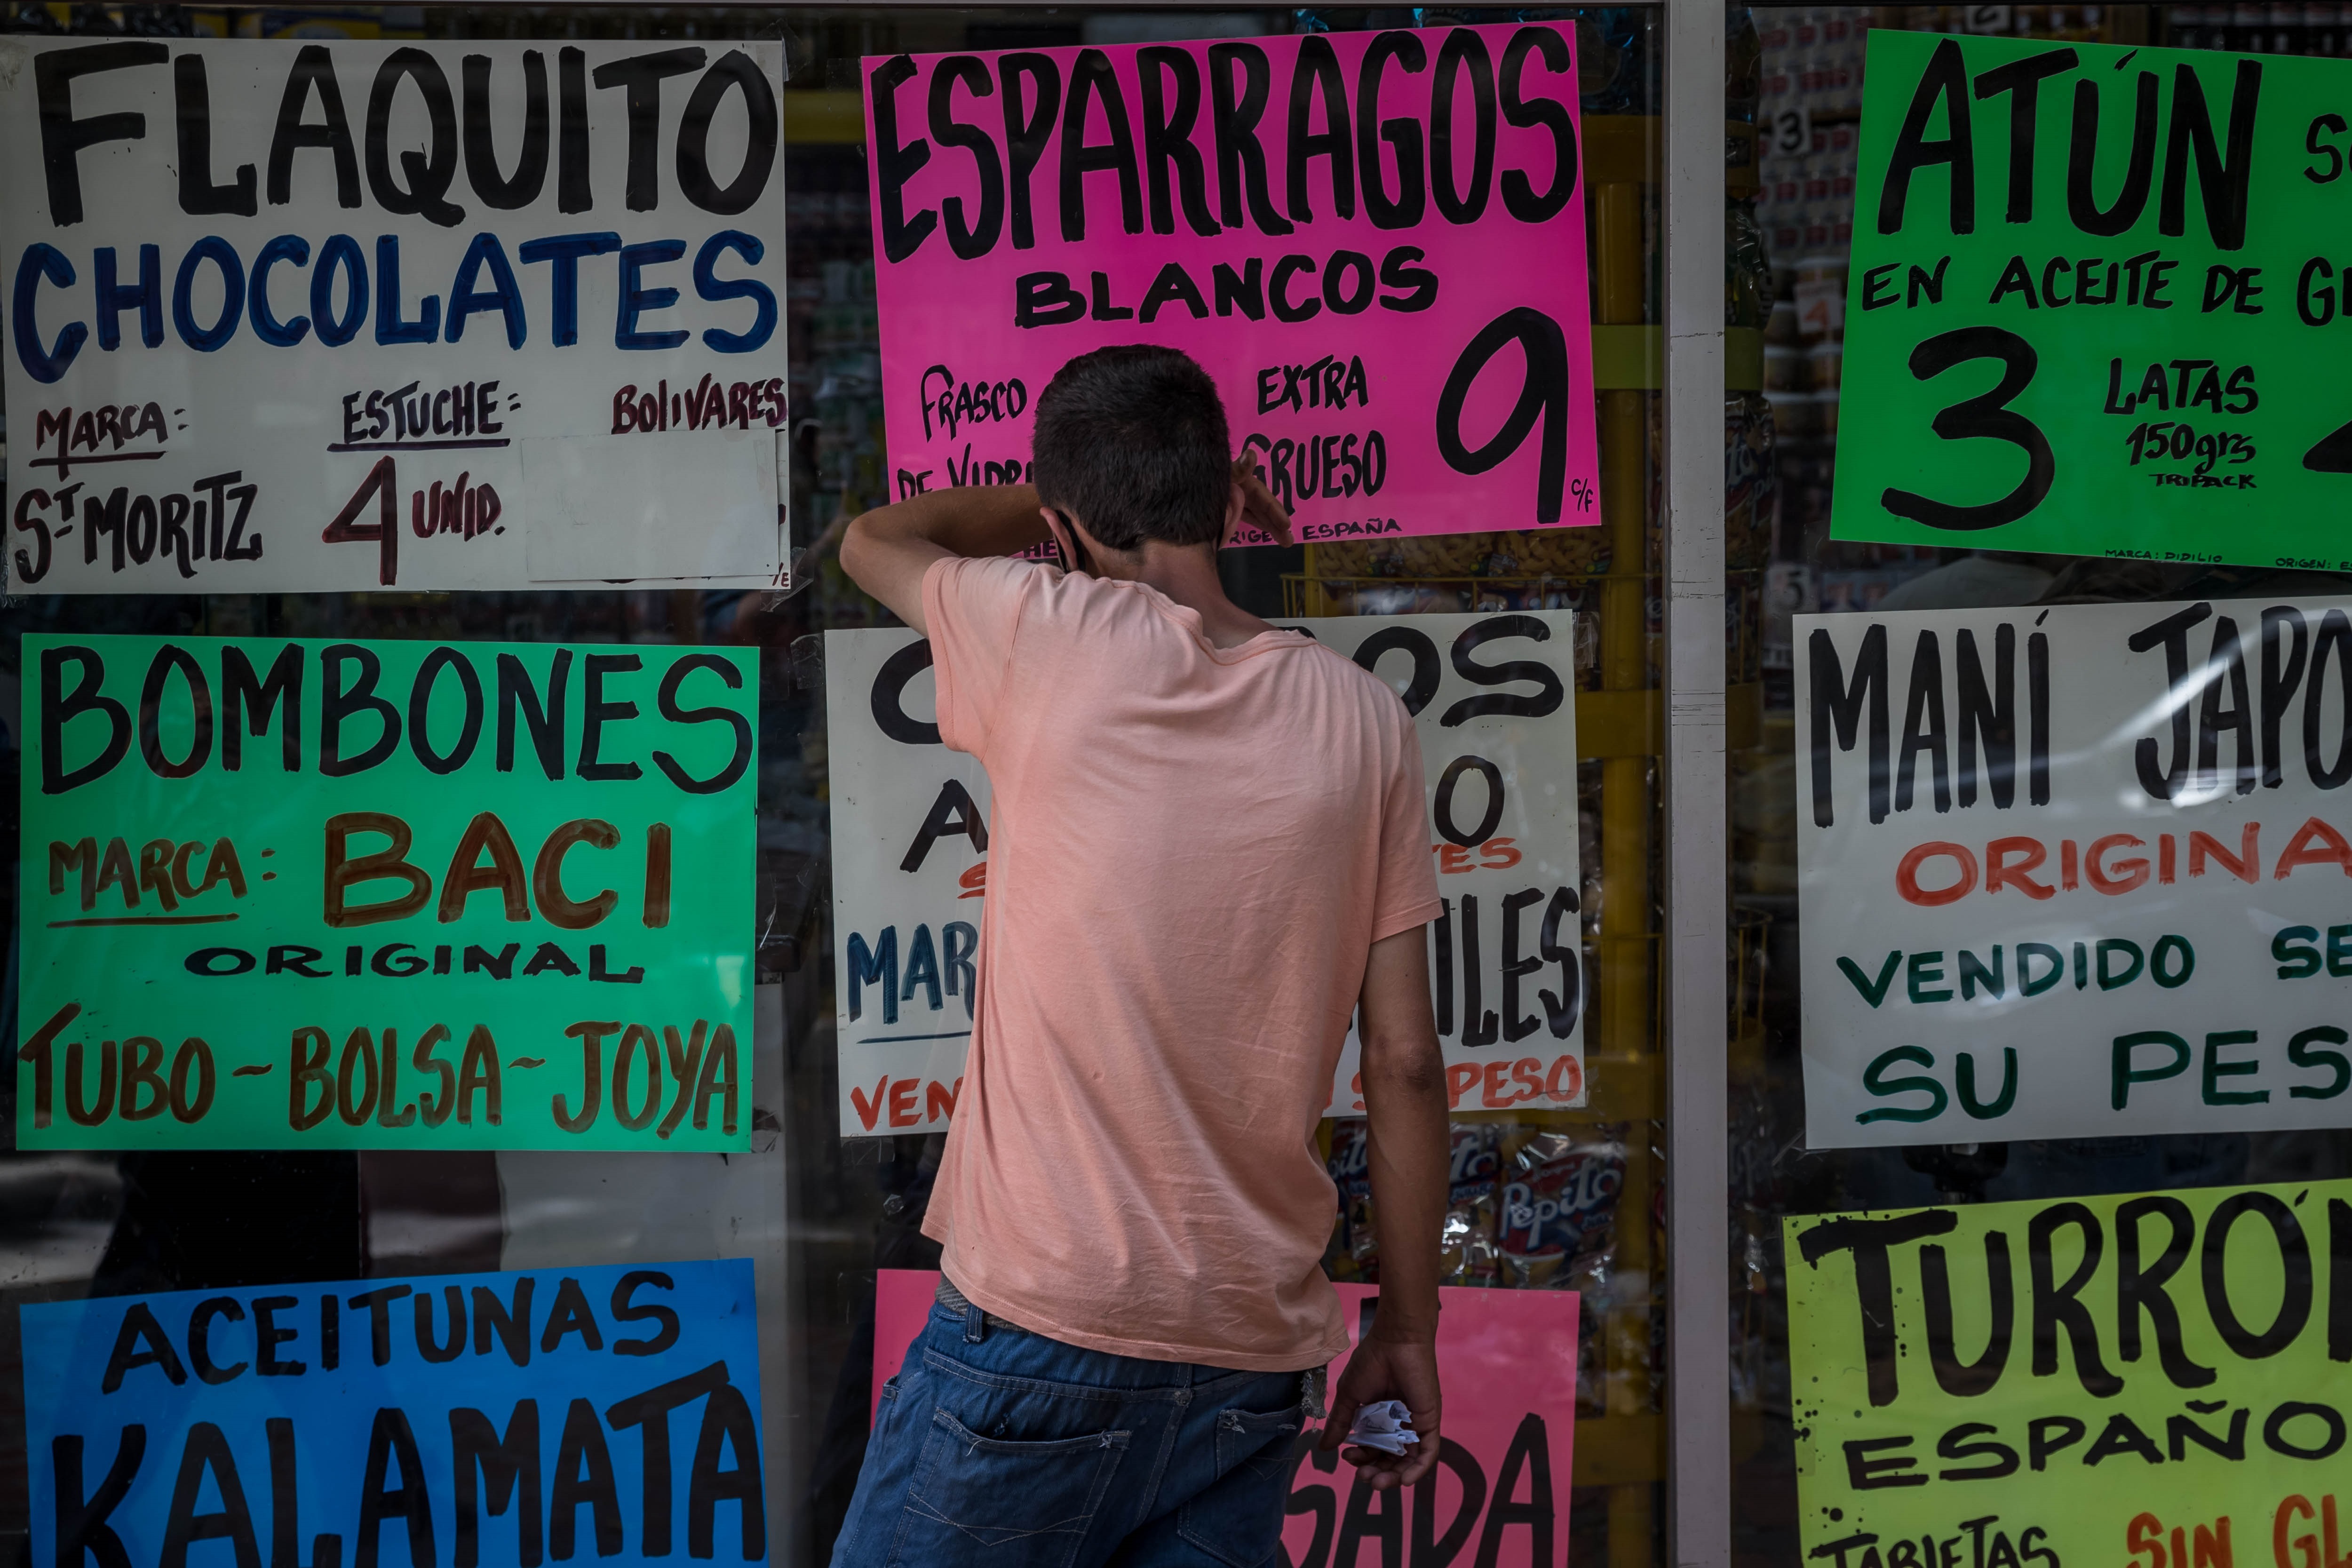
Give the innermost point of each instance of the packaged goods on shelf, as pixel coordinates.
(1558, 1209)
(1468, 1245)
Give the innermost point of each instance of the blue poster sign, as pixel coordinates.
(443, 1421)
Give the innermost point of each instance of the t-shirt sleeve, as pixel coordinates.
(1407, 896)
(973, 608)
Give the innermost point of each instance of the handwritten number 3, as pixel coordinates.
(1543, 396)
(1987, 416)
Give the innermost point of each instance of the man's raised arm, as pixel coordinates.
(886, 550)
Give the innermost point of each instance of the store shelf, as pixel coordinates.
(1632, 359)
(1742, 175)
(1620, 149)
(1743, 359)
(1633, 723)
(811, 117)
(1743, 716)
(1620, 723)
(1618, 1450)
(1629, 358)
(1621, 1088)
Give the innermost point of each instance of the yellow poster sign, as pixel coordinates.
(2151, 1380)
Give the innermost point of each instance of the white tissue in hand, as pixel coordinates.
(1384, 1425)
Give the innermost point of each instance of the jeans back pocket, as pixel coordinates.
(1238, 1518)
(979, 1500)
(1259, 1441)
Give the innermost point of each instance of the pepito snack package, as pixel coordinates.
(1467, 1237)
(1354, 1253)
(1558, 1207)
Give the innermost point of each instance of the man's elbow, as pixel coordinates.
(857, 548)
(1413, 1068)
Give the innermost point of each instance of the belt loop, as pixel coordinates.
(975, 1323)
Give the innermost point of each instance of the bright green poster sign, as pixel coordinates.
(386, 895)
(2094, 297)
(2154, 1380)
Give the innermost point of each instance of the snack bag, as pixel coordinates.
(1467, 1238)
(1358, 1249)
(1558, 1199)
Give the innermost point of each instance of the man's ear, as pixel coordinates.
(1236, 506)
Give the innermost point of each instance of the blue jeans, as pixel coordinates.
(1002, 1448)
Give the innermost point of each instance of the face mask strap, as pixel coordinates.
(1072, 553)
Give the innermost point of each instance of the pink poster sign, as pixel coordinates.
(1507, 1361)
(1375, 241)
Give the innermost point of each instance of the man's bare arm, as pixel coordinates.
(886, 550)
(1405, 1100)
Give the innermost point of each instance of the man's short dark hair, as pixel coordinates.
(1133, 440)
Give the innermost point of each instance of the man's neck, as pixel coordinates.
(1187, 573)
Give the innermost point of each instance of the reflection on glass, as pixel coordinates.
(1786, 359)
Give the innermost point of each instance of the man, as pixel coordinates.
(1208, 849)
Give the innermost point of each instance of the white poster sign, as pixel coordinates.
(2074, 872)
(1494, 699)
(302, 317)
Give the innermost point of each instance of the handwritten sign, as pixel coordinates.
(609, 1414)
(1373, 241)
(313, 316)
(1493, 697)
(1507, 1361)
(2093, 293)
(385, 895)
(2152, 1380)
(2074, 872)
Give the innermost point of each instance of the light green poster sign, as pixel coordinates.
(2095, 299)
(386, 895)
(2148, 1380)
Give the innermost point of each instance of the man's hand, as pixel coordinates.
(1404, 1367)
(1404, 1107)
(1254, 505)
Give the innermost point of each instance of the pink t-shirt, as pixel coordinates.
(1192, 849)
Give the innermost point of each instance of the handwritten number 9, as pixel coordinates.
(1987, 416)
(1542, 396)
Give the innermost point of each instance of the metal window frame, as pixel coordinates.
(1697, 878)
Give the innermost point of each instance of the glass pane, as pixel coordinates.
(819, 1206)
(1791, 303)
(1608, 577)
